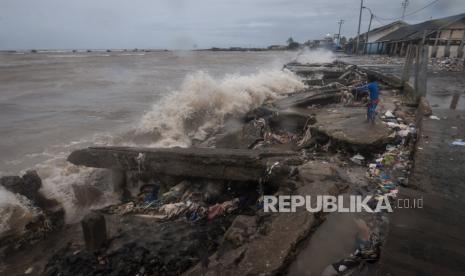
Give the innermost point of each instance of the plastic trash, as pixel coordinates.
(357, 159)
(388, 160)
(433, 117)
(403, 133)
(392, 125)
(389, 114)
(459, 142)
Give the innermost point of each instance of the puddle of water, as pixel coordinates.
(451, 101)
(332, 241)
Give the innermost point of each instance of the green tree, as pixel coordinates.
(343, 40)
(292, 45)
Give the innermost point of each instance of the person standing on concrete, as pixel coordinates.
(372, 89)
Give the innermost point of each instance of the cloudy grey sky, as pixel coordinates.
(68, 24)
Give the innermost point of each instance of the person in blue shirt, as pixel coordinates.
(372, 89)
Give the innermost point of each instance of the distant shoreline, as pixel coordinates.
(71, 51)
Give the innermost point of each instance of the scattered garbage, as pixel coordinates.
(281, 138)
(389, 114)
(386, 173)
(357, 159)
(434, 117)
(222, 208)
(459, 142)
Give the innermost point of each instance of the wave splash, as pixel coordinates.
(203, 103)
(316, 56)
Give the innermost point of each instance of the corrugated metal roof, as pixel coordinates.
(385, 27)
(413, 32)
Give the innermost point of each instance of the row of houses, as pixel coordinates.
(444, 37)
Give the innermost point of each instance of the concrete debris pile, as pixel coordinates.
(191, 218)
(199, 210)
(320, 75)
(300, 121)
(187, 215)
(448, 64)
(186, 224)
(382, 59)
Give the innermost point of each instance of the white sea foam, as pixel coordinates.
(15, 212)
(60, 180)
(316, 56)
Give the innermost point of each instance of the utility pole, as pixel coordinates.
(359, 25)
(365, 47)
(405, 4)
(340, 22)
(369, 29)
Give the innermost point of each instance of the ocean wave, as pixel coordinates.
(202, 104)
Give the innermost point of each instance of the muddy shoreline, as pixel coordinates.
(205, 215)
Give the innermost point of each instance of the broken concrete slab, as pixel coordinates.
(230, 164)
(349, 127)
(28, 185)
(270, 251)
(293, 120)
(260, 112)
(325, 71)
(242, 138)
(306, 99)
(290, 119)
(241, 230)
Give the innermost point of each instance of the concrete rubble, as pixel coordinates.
(448, 64)
(200, 211)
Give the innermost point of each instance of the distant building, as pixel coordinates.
(445, 37)
(377, 33)
(328, 42)
(277, 47)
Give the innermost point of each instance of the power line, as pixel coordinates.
(379, 22)
(409, 14)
